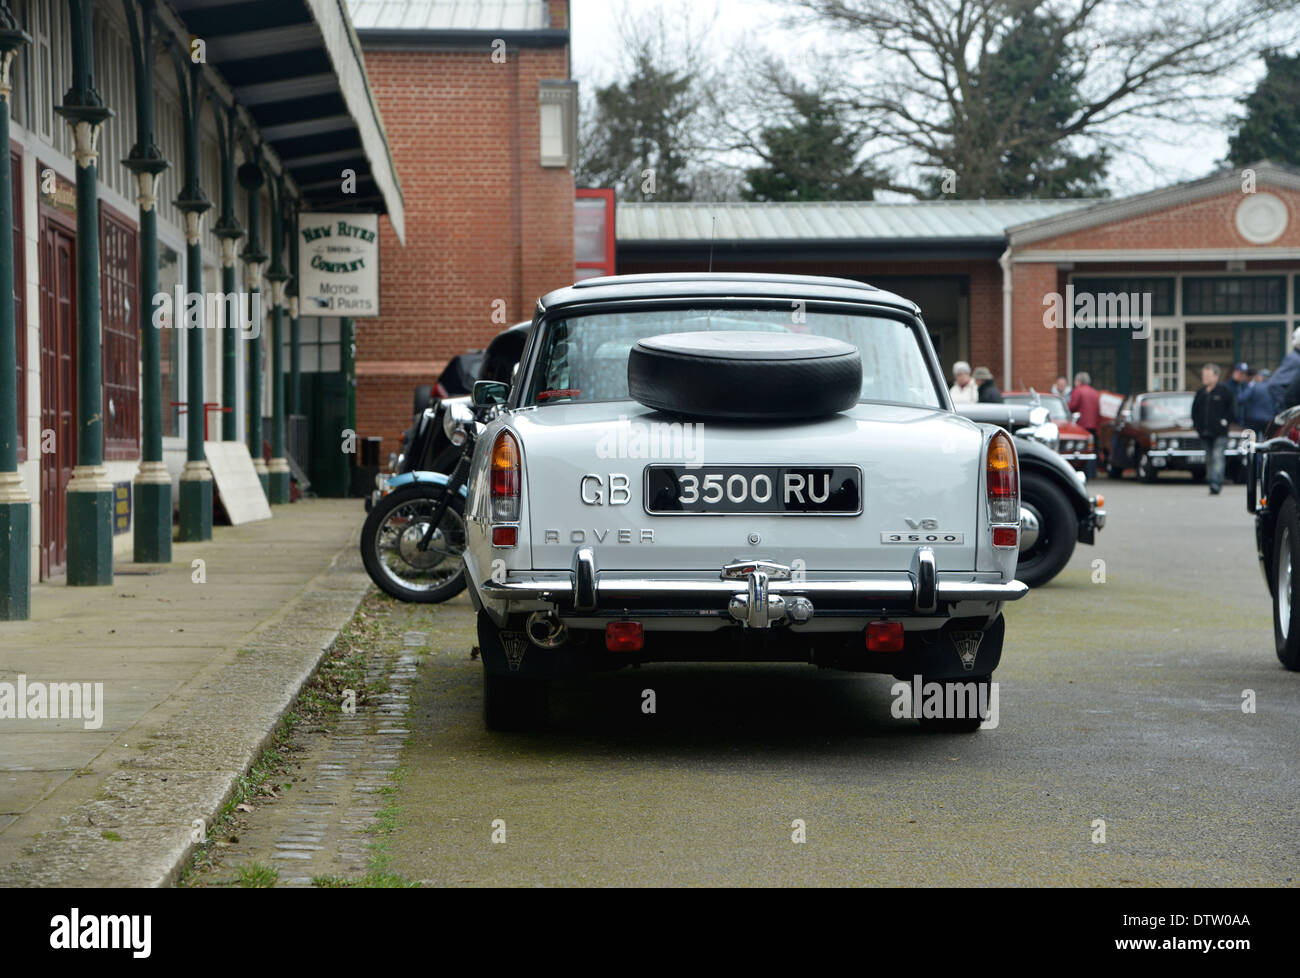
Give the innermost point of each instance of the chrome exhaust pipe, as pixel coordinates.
(545, 630)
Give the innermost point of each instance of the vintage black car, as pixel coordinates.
(1056, 511)
(1273, 495)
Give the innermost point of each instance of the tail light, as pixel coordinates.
(624, 636)
(885, 636)
(1002, 480)
(504, 479)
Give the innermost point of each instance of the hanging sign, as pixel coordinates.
(338, 264)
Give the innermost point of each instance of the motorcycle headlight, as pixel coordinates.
(453, 429)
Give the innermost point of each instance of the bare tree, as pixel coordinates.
(927, 79)
(646, 134)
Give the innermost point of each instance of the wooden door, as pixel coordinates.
(58, 441)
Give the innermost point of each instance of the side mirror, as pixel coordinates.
(489, 393)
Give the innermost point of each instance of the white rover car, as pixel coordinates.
(722, 467)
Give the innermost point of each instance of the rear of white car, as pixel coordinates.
(699, 524)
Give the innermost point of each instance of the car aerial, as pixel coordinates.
(1153, 432)
(1273, 495)
(1056, 511)
(731, 468)
(1075, 444)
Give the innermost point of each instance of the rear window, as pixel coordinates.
(584, 358)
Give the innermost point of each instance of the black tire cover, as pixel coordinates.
(726, 374)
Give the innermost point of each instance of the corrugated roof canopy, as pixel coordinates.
(450, 15)
(296, 67)
(845, 221)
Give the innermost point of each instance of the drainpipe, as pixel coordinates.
(1005, 262)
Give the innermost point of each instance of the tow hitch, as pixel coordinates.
(756, 608)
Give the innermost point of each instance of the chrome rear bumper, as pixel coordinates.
(586, 590)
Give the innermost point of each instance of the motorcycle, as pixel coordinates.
(414, 533)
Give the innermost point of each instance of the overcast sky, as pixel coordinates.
(1179, 153)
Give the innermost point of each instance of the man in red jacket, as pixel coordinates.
(1085, 399)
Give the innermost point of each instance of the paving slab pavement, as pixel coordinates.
(198, 662)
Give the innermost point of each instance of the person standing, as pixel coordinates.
(963, 390)
(1238, 381)
(1287, 371)
(1086, 401)
(1213, 409)
(1255, 405)
(988, 391)
(1062, 388)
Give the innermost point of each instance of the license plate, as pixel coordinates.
(753, 490)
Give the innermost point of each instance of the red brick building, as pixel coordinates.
(1138, 291)
(481, 116)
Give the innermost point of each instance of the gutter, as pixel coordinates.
(424, 40)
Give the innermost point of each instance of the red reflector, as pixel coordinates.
(505, 536)
(885, 636)
(1006, 536)
(624, 636)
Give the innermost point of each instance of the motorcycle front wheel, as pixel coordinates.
(391, 551)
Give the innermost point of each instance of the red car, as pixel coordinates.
(1076, 445)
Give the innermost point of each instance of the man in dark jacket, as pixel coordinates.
(989, 393)
(1255, 404)
(1213, 409)
(1287, 371)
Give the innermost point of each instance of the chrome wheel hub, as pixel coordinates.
(1030, 527)
(1284, 585)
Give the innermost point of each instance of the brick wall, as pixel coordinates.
(1039, 354)
(484, 220)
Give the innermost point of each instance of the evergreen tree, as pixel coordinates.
(1270, 130)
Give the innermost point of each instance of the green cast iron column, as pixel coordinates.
(196, 479)
(15, 506)
(228, 230)
(251, 178)
(277, 276)
(295, 336)
(152, 489)
(90, 494)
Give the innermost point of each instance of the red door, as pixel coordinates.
(58, 437)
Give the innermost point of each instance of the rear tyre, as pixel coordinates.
(959, 724)
(1286, 593)
(1058, 531)
(512, 703)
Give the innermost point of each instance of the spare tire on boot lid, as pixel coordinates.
(731, 374)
